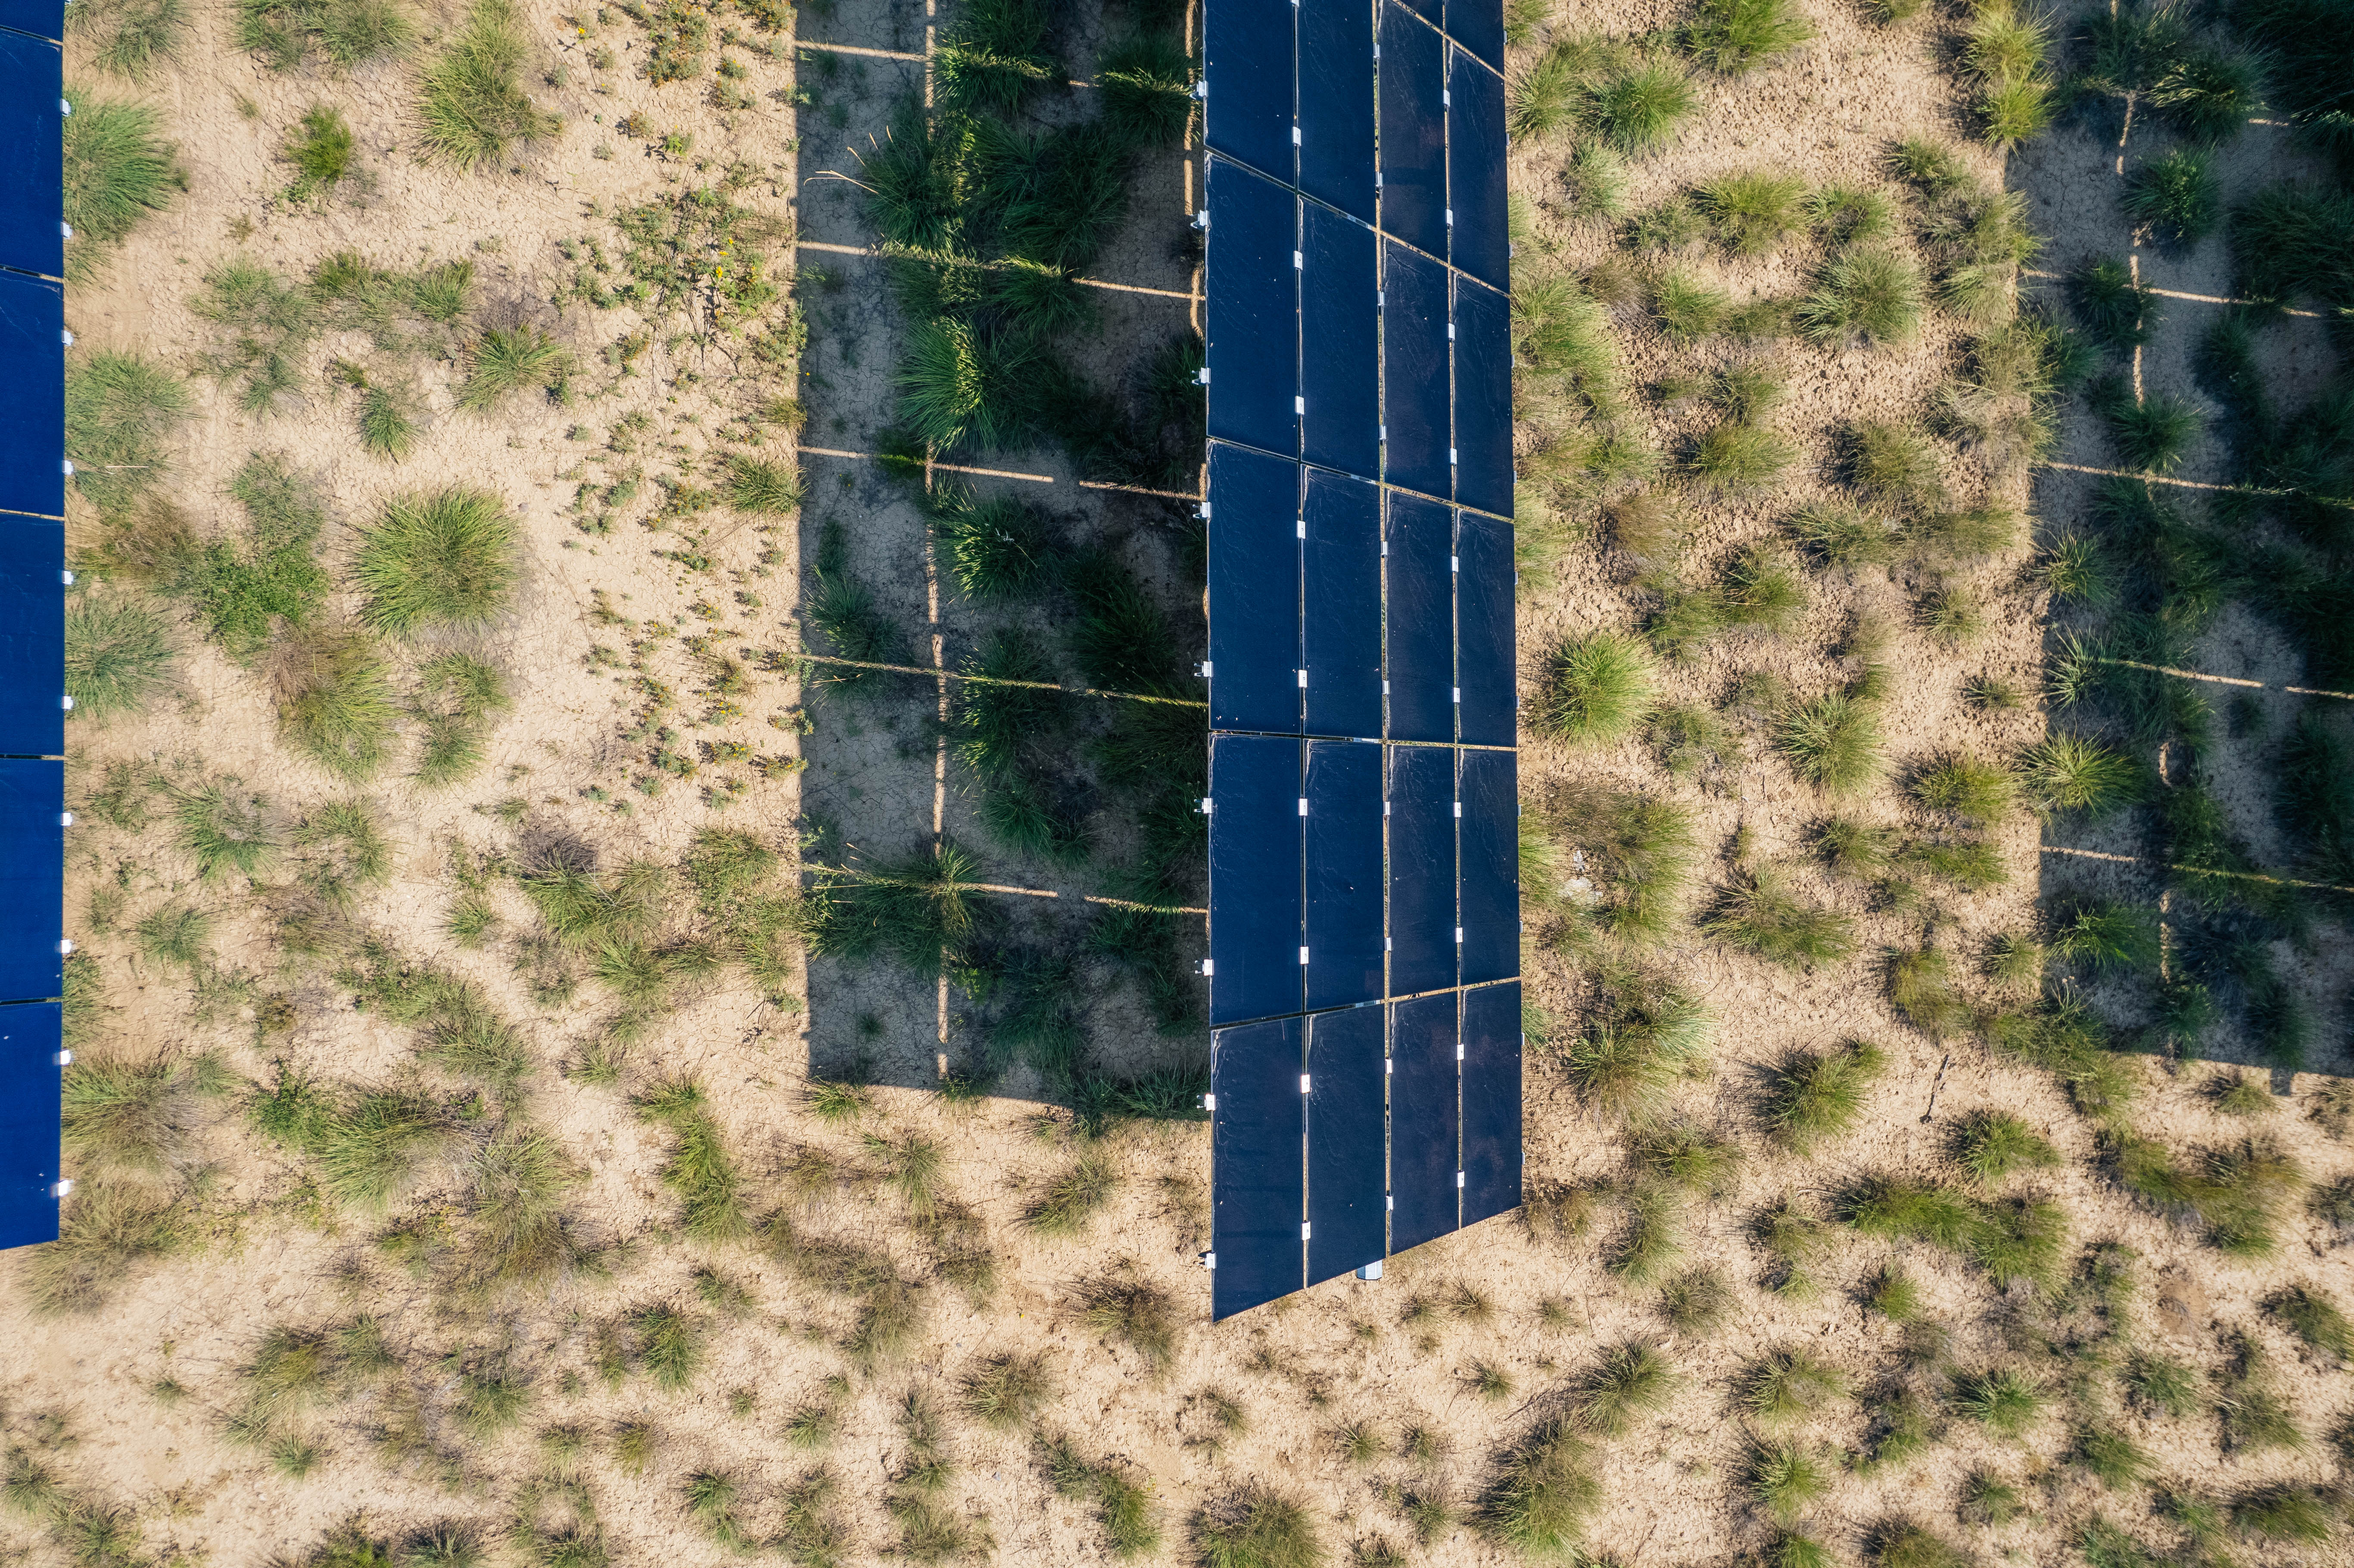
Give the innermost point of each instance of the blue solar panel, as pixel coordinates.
(1490, 846)
(1478, 26)
(1254, 845)
(1336, 103)
(1341, 598)
(31, 239)
(1419, 661)
(32, 878)
(1256, 1165)
(1254, 590)
(1422, 869)
(1344, 859)
(32, 396)
(1414, 130)
(1347, 1222)
(1492, 1102)
(1475, 170)
(1413, 371)
(1431, 11)
(1423, 1154)
(44, 19)
(1246, 68)
(1340, 342)
(29, 1091)
(1483, 397)
(1483, 629)
(1252, 348)
(32, 636)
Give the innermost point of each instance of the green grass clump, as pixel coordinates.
(1786, 1479)
(1862, 295)
(343, 850)
(1758, 913)
(1832, 742)
(2207, 95)
(440, 559)
(1811, 1099)
(1688, 309)
(130, 37)
(335, 700)
(1071, 1202)
(345, 33)
(2237, 1191)
(118, 170)
(2314, 1319)
(1696, 1301)
(1736, 457)
(322, 151)
(997, 57)
(2150, 433)
(2115, 312)
(1630, 1381)
(2106, 937)
(1599, 688)
(1006, 1391)
(769, 487)
(1637, 108)
(1894, 465)
(501, 362)
(135, 1115)
(1131, 1524)
(2175, 196)
(2284, 1513)
(1641, 849)
(1754, 212)
(2004, 1399)
(1789, 1385)
(1653, 1241)
(388, 428)
(1972, 865)
(2161, 1386)
(699, 1168)
(1256, 1529)
(1138, 1316)
(2012, 111)
(471, 97)
(244, 592)
(997, 548)
(118, 656)
(1543, 1492)
(1840, 534)
(1900, 1210)
(457, 697)
(1735, 36)
(223, 827)
(1920, 984)
(1894, 1295)
(1967, 787)
(2069, 773)
(1643, 1040)
(1993, 1146)
(120, 409)
(104, 1231)
(1145, 87)
(955, 381)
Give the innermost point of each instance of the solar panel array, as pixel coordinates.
(1365, 900)
(32, 614)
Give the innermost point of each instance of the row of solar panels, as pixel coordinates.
(1367, 872)
(32, 615)
(1339, 1137)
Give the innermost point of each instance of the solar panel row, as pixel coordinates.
(1337, 1137)
(32, 614)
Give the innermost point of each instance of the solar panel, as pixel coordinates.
(30, 237)
(1339, 341)
(1246, 64)
(1488, 847)
(1479, 28)
(1483, 397)
(1414, 384)
(1336, 104)
(1424, 1153)
(1422, 869)
(1413, 90)
(1492, 1102)
(1475, 170)
(1255, 843)
(32, 873)
(1483, 629)
(1418, 657)
(1251, 349)
(1347, 1186)
(1341, 581)
(32, 636)
(30, 1034)
(1257, 1164)
(32, 395)
(1343, 874)
(42, 18)
(1254, 590)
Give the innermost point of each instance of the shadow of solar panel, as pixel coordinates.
(1336, 104)
(1492, 1102)
(1478, 26)
(1475, 170)
(1343, 874)
(1422, 868)
(29, 1097)
(32, 396)
(42, 18)
(1247, 62)
(1340, 343)
(1419, 661)
(1347, 1186)
(1258, 1167)
(1254, 607)
(1413, 371)
(32, 636)
(1424, 1153)
(1255, 847)
(1252, 350)
(1483, 397)
(1488, 844)
(1341, 566)
(30, 237)
(1413, 90)
(1483, 629)
(32, 874)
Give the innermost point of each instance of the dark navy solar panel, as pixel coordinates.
(1420, 651)
(1340, 561)
(1492, 1102)
(30, 1092)
(1475, 170)
(1257, 1168)
(1246, 65)
(1488, 844)
(1254, 590)
(1414, 130)
(1483, 397)
(1340, 342)
(30, 161)
(1253, 309)
(32, 878)
(1343, 875)
(1424, 1153)
(1431, 11)
(1413, 371)
(1255, 838)
(44, 19)
(1347, 1187)
(32, 396)
(32, 636)
(1422, 868)
(1483, 629)
(1478, 26)
(1336, 103)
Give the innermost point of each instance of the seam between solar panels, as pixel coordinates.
(1342, 472)
(1383, 1001)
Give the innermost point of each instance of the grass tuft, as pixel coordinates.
(1735, 36)
(1599, 688)
(118, 170)
(1811, 1099)
(443, 559)
(470, 99)
(118, 656)
(1832, 742)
